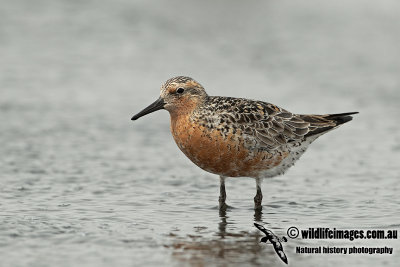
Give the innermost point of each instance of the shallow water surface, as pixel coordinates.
(82, 185)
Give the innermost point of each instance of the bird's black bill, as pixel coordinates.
(157, 105)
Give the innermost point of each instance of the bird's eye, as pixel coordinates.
(180, 90)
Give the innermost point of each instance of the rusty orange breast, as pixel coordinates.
(220, 154)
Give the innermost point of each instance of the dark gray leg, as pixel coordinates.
(258, 198)
(222, 193)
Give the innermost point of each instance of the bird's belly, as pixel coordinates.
(221, 154)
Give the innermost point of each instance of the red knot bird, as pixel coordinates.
(237, 137)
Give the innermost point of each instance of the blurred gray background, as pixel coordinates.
(82, 185)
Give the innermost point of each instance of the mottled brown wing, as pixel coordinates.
(273, 126)
(266, 124)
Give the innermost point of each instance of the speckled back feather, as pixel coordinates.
(264, 125)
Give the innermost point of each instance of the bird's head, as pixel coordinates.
(179, 95)
(264, 239)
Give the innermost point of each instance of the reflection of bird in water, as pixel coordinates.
(237, 137)
(275, 241)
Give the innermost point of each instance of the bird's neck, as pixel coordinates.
(185, 108)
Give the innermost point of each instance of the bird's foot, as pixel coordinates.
(222, 203)
(223, 206)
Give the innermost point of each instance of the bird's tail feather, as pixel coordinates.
(323, 123)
